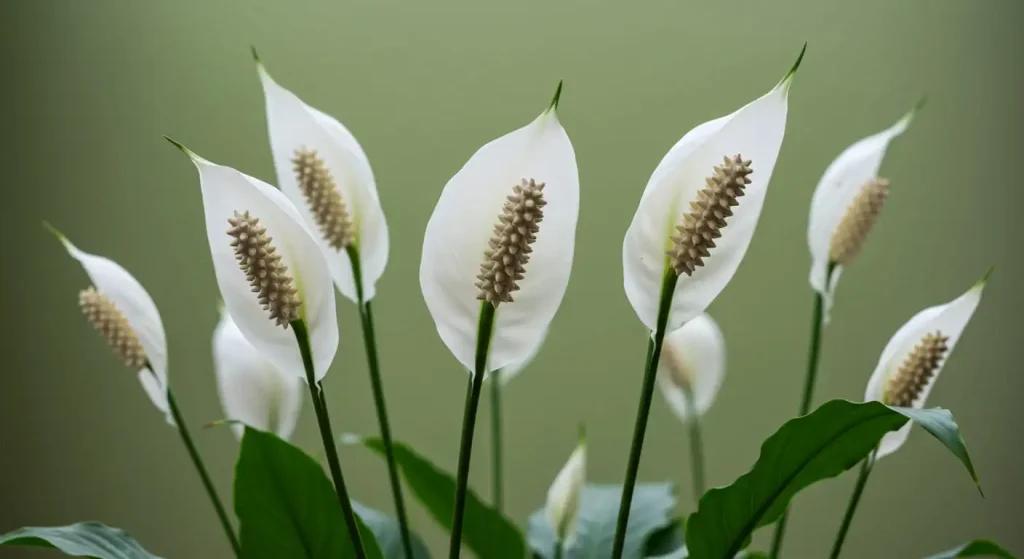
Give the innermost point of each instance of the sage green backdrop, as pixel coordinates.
(89, 87)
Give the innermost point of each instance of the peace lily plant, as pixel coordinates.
(497, 252)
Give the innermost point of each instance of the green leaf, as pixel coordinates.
(485, 530)
(649, 512)
(808, 449)
(84, 539)
(976, 548)
(287, 507)
(388, 534)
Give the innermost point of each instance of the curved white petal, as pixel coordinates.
(226, 191)
(511, 371)
(252, 390)
(461, 226)
(692, 359)
(563, 502)
(950, 320)
(754, 131)
(138, 308)
(836, 190)
(293, 125)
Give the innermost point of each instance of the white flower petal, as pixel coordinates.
(511, 371)
(692, 358)
(755, 131)
(836, 190)
(226, 191)
(293, 125)
(462, 224)
(950, 320)
(252, 390)
(138, 308)
(563, 501)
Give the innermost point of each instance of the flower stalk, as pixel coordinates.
(497, 491)
(696, 449)
(316, 392)
(211, 491)
(851, 508)
(377, 385)
(484, 331)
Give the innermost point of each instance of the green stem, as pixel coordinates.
(377, 384)
(813, 354)
(483, 344)
(851, 508)
(696, 448)
(203, 475)
(316, 392)
(496, 474)
(559, 546)
(668, 286)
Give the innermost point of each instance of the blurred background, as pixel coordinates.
(90, 87)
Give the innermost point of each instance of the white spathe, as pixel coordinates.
(138, 308)
(950, 320)
(294, 125)
(692, 360)
(226, 191)
(252, 390)
(755, 132)
(563, 502)
(462, 223)
(839, 185)
(512, 370)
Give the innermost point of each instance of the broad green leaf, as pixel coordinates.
(976, 548)
(84, 539)
(649, 512)
(287, 507)
(485, 531)
(388, 534)
(808, 449)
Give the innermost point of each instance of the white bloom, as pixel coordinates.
(693, 197)
(853, 173)
(563, 503)
(692, 360)
(114, 285)
(914, 357)
(536, 167)
(252, 390)
(325, 173)
(288, 264)
(511, 371)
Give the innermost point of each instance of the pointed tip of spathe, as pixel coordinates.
(49, 227)
(980, 284)
(581, 436)
(181, 147)
(558, 95)
(255, 55)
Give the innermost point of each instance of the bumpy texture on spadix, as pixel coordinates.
(323, 198)
(860, 217)
(917, 370)
(263, 268)
(700, 226)
(110, 322)
(510, 249)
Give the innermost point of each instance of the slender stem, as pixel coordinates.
(858, 490)
(696, 448)
(203, 475)
(496, 473)
(813, 353)
(483, 343)
(377, 384)
(316, 392)
(559, 547)
(668, 286)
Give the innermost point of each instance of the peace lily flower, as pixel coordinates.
(252, 390)
(563, 503)
(914, 357)
(485, 244)
(325, 173)
(692, 367)
(124, 313)
(698, 212)
(511, 371)
(269, 268)
(845, 206)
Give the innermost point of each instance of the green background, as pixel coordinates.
(89, 87)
